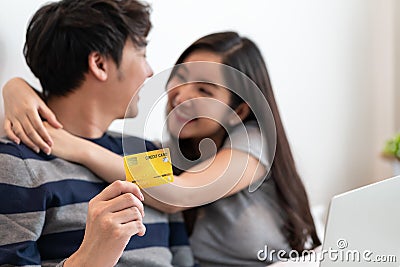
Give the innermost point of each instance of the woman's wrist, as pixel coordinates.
(86, 152)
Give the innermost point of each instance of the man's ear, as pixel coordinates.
(242, 111)
(98, 66)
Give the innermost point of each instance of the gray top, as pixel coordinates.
(231, 231)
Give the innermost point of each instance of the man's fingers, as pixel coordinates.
(33, 135)
(38, 125)
(118, 188)
(134, 227)
(125, 201)
(47, 114)
(128, 215)
(20, 133)
(9, 131)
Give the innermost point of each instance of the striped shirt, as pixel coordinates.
(43, 209)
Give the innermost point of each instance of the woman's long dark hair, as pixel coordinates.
(243, 55)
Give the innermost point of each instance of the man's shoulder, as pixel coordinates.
(21, 166)
(14, 172)
(27, 173)
(10, 149)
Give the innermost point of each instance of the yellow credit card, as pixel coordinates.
(149, 169)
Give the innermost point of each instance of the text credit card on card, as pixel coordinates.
(149, 168)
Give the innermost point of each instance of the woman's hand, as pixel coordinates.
(23, 111)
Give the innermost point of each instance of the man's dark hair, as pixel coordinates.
(61, 35)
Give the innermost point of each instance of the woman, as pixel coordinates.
(229, 231)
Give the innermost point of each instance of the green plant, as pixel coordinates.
(392, 147)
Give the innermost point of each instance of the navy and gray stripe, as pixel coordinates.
(43, 207)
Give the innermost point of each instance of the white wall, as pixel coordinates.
(331, 64)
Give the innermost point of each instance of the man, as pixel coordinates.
(89, 56)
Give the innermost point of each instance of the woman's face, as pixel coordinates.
(197, 109)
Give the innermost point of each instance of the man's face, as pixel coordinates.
(127, 79)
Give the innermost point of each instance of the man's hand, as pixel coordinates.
(114, 216)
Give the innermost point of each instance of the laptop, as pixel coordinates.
(363, 227)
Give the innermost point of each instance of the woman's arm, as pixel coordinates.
(23, 111)
(228, 172)
(104, 163)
